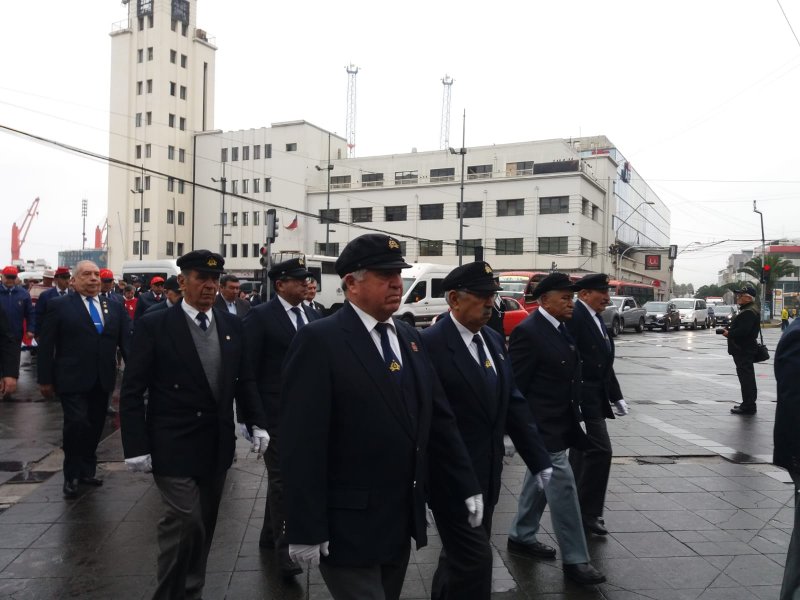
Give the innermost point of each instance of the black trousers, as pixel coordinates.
(376, 582)
(185, 533)
(84, 418)
(272, 532)
(464, 571)
(592, 467)
(747, 379)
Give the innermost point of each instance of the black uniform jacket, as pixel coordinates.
(146, 300)
(354, 468)
(268, 331)
(242, 306)
(743, 331)
(72, 355)
(787, 411)
(185, 429)
(482, 419)
(600, 387)
(9, 349)
(547, 370)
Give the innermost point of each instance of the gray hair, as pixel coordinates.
(357, 275)
(461, 294)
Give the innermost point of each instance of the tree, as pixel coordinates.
(713, 290)
(779, 267)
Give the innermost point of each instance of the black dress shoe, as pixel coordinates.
(96, 482)
(289, 568)
(70, 489)
(584, 573)
(595, 525)
(537, 549)
(741, 409)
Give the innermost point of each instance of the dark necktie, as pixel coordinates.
(389, 356)
(298, 317)
(98, 322)
(103, 296)
(604, 330)
(158, 298)
(202, 318)
(61, 293)
(486, 365)
(562, 329)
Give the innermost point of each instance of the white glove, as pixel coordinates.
(429, 520)
(475, 509)
(245, 433)
(139, 464)
(508, 446)
(544, 476)
(309, 554)
(622, 408)
(260, 440)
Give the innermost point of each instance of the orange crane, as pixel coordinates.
(100, 236)
(19, 233)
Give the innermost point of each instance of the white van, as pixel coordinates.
(694, 312)
(423, 295)
(145, 270)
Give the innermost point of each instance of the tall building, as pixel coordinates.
(162, 93)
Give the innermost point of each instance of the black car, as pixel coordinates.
(661, 315)
(723, 313)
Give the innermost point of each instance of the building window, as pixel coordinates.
(147, 185)
(138, 119)
(256, 151)
(448, 174)
(595, 213)
(181, 155)
(139, 55)
(245, 152)
(235, 186)
(479, 172)
(138, 151)
(329, 215)
(136, 247)
(183, 61)
(171, 152)
(245, 219)
(585, 247)
(244, 186)
(149, 117)
(552, 205)
(256, 216)
(586, 208)
(150, 53)
(255, 246)
(244, 249)
(395, 213)
(234, 219)
(224, 218)
(139, 88)
(361, 215)
(170, 216)
(553, 245)
(148, 151)
(430, 248)
(511, 208)
(504, 246)
(172, 87)
(224, 250)
(331, 249)
(170, 248)
(594, 249)
(183, 123)
(340, 182)
(180, 186)
(472, 210)
(171, 121)
(170, 184)
(372, 179)
(180, 248)
(267, 184)
(256, 184)
(224, 155)
(469, 247)
(291, 147)
(183, 92)
(137, 184)
(429, 212)
(405, 177)
(267, 150)
(173, 56)
(181, 218)
(519, 168)
(146, 215)
(149, 86)
(234, 153)
(234, 250)
(137, 215)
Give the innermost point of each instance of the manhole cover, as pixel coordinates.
(655, 460)
(31, 477)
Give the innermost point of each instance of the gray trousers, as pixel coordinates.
(562, 496)
(185, 533)
(376, 582)
(790, 590)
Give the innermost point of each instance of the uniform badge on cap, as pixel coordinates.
(393, 244)
(487, 268)
(301, 262)
(211, 262)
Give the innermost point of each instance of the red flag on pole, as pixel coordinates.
(293, 225)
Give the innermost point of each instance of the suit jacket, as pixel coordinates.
(482, 419)
(354, 468)
(787, 411)
(40, 309)
(118, 297)
(9, 349)
(547, 370)
(268, 332)
(320, 308)
(72, 355)
(743, 331)
(16, 301)
(600, 387)
(242, 306)
(146, 300)
(183, 427)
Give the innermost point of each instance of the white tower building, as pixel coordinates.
(162, 93)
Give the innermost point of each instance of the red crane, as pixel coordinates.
(19, 233)
(100, 236)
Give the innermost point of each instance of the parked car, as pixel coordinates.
(711, 319)
(661, 315)
(623, 312)
(423, 296)
(723, 313)
(513, 314)
(694, 312)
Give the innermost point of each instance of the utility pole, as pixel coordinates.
(327, 168)
(463, 152)
(763, 260)
(84, 210)
(140, 191)
(222, 217)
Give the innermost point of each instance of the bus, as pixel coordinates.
(641, 292)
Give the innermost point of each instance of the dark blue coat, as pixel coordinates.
(482, 420)
(146, 300)
(41, 306)
(354, 467)
(787, 411)
(9, 349)
(18, 306)
(72, 355)
(600, 387)
(547, 370)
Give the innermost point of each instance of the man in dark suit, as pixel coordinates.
(787, 443)
(311, 293)
(107, 287)
(742, 335)
(228, 297)
(547, 370)
(61, 288)
(363, 411)
(78, 346)
(172, 292)
(16, 301)
(156, 294)
(190, 359)
(9, 357)
(471, 361)
(599, 390)
(269, 330)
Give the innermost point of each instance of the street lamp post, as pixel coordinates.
(328, 168)
(222, 189)
(616, 235)
(463, 152)
(140, 191)
(763, 259)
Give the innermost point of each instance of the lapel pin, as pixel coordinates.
(227, 337)
(414, 347)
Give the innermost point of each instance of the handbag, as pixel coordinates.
(762, 352)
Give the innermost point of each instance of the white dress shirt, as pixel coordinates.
(600, 326)
(467, 336)
(97, 305)
(369, 322)
(293, 317)
(193, 312)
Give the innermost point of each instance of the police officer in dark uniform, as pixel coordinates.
(9, 357)
(155, 295)
(471, 361)
(364, 412)
(742, 337)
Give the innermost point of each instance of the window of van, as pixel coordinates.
(436, 288)
(418, 292)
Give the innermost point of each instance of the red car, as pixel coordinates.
(513, 314)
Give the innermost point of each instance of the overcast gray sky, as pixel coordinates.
(700, 95)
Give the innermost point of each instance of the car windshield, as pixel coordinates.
(513, 286)
(407, 283)
(617, 301)
(723, 310)
(684, 304)
(656, 307)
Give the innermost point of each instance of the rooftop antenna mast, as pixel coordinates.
(444, 134)
(350, 127)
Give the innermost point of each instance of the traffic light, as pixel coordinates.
(765, 273)
(264, 260)
(272, 225)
